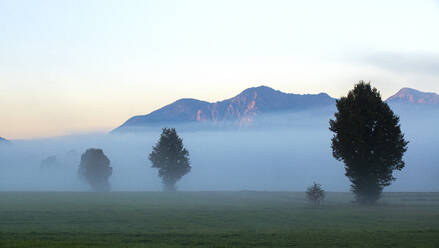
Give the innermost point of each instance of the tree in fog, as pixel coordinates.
(95, 169)
(50, 163)
(368, 139)
(315, 194)
(171, 158)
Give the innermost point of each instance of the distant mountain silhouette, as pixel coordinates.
(249, 106)
(414, 97)
(3, 140)
(239, 110)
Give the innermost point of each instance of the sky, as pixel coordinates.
(79, 66)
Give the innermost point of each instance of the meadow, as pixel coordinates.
(215, 219)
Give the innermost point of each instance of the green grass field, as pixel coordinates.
(215, 219)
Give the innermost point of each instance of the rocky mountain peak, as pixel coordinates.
(412, 96)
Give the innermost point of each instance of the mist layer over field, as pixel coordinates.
(284, 154)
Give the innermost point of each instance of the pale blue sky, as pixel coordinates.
(75, 66)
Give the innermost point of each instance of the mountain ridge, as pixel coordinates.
(240, 109)
(251, 103)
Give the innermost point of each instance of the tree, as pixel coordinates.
(95, 169)
(368, 139)
(171, 158)
(50, 163)
(315, 194)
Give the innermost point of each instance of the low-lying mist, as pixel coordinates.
(286, 153)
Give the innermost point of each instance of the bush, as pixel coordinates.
(315, 194)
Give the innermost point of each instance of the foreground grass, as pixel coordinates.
(215, 219)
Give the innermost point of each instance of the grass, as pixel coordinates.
(215, 219)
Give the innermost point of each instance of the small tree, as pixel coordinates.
(368, 139)
(315, 194)
(171, 158)
(50, 163)
(95, 169)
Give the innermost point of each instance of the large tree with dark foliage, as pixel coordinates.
(95, 169)
(171, 158)
(368, 139)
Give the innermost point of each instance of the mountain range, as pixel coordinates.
(3, 140)
(252, 103)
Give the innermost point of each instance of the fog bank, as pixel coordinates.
(284, 154)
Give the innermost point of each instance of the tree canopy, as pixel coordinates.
(95, 169)
(368, 139)
(170, 158)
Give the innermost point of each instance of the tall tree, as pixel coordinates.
(171, 158)
(95, 169)
(368, 139)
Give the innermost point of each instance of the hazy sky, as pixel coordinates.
(75, 66)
